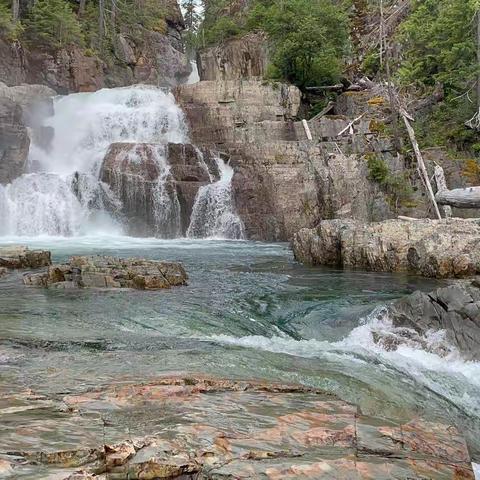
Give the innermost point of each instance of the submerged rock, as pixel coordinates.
(109, 272)
(16, 256)
(430, 248)
(209, 428)
(455, 309)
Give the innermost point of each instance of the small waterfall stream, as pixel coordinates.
(213, 214)
(62, 194)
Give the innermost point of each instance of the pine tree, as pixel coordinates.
(53, 23)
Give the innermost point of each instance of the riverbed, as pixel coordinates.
(249, 311)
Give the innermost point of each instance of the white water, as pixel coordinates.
(194, 76)
(85, 124)
(213, 214)
(432, 364)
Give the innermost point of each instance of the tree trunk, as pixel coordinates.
(15, 10)
(101, 22)
(421, 164)
(81, 8)
(460, 197)
(441, 187)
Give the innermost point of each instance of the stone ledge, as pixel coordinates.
(16, 257)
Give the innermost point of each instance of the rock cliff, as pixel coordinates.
(139, 56)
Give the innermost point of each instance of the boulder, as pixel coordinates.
(109, 272)
(455, 309)
(3, 271)
(430, 248)
(17, 257)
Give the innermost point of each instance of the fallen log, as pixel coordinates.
(460, 197)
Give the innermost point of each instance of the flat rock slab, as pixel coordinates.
(110, 272)
(206, 428)
(430, 248)
(16, 257)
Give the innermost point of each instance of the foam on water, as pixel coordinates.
(430, 363)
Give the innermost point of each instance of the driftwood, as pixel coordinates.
(308, 133)
(460, 197)
(323, 112)
(349, 127)
(421, 164)
(441, 187)
(338, 86)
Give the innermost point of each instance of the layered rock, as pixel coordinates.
(244, 57)
(455, 309)
(283, 181)
(18, 257)
(425, 247)
(109, 272)
(144, 176)
(283, 432)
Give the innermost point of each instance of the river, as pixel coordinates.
(249, 311)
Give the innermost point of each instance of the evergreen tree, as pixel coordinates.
(53, 23)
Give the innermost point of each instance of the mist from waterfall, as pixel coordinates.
(214, 214)
(62, 195)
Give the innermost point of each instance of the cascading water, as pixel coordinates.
(65, 196)
(213, 214)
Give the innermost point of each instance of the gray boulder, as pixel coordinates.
(455, 309)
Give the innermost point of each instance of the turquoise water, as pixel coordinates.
(249, 311)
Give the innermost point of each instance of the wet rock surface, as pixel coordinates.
(133, 171)
(18, 257)
(429, 248)
(455, 309)
(208, 428)
(109, 272)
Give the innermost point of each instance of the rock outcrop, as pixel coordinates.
(283, 181)
(18, 257)
(109, 272)
(455, 309)
(237, 58)
(283, 432)
(425, 247)
(21, 109)
(142, 174)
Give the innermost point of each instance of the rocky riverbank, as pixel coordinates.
(19, 257)
(435, 249)
(110, 272)
(209, 428)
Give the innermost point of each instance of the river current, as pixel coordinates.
(249, 311)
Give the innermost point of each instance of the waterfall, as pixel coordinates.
(65, 197)
(214, 214)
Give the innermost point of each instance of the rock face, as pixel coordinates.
(109, 272)
(15, 257)
(455, 308)
(140, 56)
(426, 247)
(283, 181)
(21, 106)
(283, 432)
(244, 57)
(144, 175)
